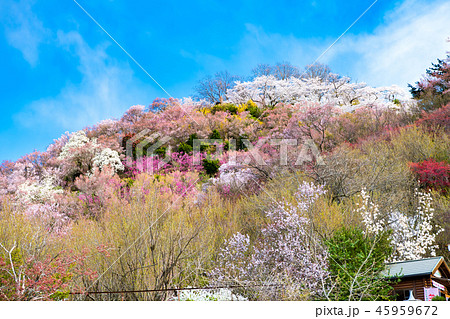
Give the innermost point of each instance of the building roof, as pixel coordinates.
(410, 268)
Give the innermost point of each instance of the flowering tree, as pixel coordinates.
(432, 174)
(413, 237)
(433, 90)
(313, 122)
(80, 155)
(40, 200)
(266, 90)
(286, 255)
(108, 157)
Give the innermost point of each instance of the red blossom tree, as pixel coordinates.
(432, 174)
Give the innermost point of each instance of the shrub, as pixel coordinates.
(215, 135)
(432, 174)
(253, 109)
(438, 298)
(184, 148)
(228, 107)
(211, 166)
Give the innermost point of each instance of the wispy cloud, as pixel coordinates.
(23, 30)
(107, 88)
(398, 52)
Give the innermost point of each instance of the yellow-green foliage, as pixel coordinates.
(28, 235)
(414, 144)
(161, 242)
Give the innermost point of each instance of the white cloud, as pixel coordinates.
(107, 87)
(398, 52)
(106, 90)
(412, 36)
(23, 30)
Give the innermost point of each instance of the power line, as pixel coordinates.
(172, 289)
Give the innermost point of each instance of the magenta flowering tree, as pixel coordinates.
(287, 260)
(176, 161)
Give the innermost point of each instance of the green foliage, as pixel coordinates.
(227, 107)
(356, 261)
(184, 148)
(207, 147)
(254, 110)
(240, 146)
(226, 145)
(60, 295)
(211, 166)
(191, 139)
(215, 135)
(128, 181)
(161, 151)
(438, 298)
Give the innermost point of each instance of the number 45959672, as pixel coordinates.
(407, 310)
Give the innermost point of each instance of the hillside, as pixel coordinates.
(266, 187)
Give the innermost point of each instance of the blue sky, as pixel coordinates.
(61, 72)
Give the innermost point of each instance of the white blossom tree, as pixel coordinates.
(413, 236)
(287, 255)
(267, 90)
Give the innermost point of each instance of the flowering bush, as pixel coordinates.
(432, 174)
(41, 202)
(233, 177)
(97, 190)
(436, 121)
(177, 161)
